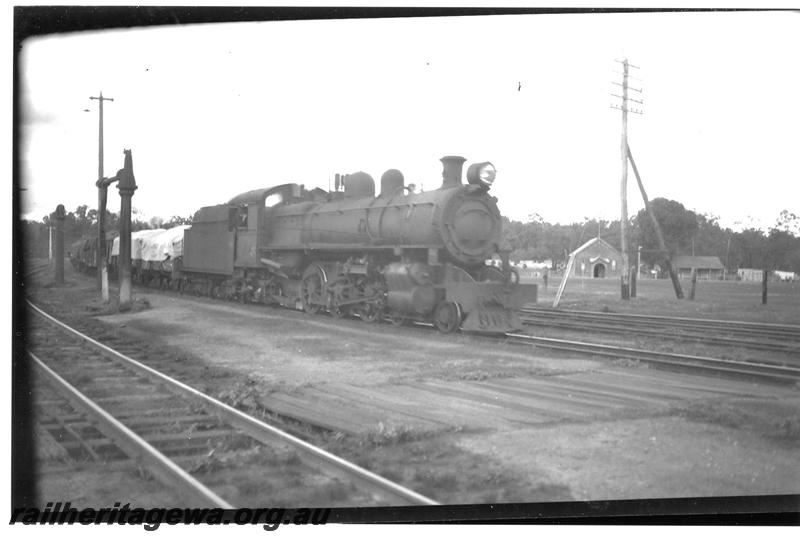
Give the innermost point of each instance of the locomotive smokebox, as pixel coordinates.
(451, 172)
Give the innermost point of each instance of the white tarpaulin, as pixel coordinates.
(166, 244)
(136, 242)
(155, 244)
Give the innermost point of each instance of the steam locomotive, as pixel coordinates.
(399, 256)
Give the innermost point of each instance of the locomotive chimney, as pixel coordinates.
(451, 172)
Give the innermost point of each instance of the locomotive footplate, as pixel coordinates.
(490, 306)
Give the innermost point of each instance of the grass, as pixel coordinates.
(432, 463)
(771, 419)
(385, 435)
(243, 395)
(713, 299)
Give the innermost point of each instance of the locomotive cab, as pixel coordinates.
(250, 219)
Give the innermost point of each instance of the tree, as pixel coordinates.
(783, 243)
(750, 248)
(36, 239)
(788, 222)
(678, 225)
(782, 251)
(711, 239)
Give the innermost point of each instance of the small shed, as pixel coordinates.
(596, 259)
(750, 275)
(708, 267)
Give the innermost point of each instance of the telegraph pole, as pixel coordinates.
(102, 196)
(623, 188)
(627, 157)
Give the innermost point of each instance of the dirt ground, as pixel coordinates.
(656, 457)
(464, 420)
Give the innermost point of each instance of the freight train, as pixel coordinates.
(398, 255)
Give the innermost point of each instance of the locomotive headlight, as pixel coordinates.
(482, 174)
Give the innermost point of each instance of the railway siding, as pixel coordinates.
(354, 392)
(491, 409)
(779, 341)
(199, 435)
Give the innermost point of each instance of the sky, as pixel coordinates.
(210, 111)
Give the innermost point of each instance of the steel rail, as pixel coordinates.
(263, 432)
(612, 326)
(783, 374)
(744, 327)
(36, 269)
(724, 322)
(134, 445)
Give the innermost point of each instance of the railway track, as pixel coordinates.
(37, 269)
(750, 335)
(767, 337)
(203, 447)
(755, 369)
(762, 371)
(68, 437)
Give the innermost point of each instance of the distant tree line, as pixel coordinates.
(82, 223)
(685, 233)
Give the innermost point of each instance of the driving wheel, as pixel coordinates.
(312, 289)
(447, 316)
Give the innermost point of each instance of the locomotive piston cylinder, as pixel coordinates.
(419, 300)
(411, 288)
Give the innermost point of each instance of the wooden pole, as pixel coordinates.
(727, 259)
(694, 284)
(102, 194)
(638, 262)
(102, 269)
(676, 284)
(59, 215)
(764, 286)
(563, 285)
(623, 189)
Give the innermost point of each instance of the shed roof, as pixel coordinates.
(588, 243)
(697, 262)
